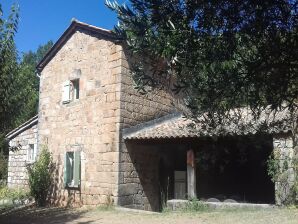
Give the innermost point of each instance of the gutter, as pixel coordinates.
(37, 133)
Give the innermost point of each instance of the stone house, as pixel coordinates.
(111, 144)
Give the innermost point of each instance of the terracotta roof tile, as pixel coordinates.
(241, 122)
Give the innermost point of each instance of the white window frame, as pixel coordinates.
(31, 153)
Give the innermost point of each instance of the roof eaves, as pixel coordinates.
(22, 127)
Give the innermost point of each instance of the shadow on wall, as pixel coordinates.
(59, 195)
(140, 187)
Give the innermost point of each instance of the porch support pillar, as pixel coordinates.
(191, 174)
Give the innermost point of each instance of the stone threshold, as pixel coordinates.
(124, 209)
(177, 204)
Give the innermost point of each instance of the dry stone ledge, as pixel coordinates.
(176, 205)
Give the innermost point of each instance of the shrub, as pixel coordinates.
(40, 176)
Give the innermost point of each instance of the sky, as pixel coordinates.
(44, 20)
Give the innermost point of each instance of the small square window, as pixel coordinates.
(72, 169)
(71, 90)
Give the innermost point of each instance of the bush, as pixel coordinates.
(40, 176)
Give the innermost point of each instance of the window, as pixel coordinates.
(31, 153)
(72, 169)
(71, 90)
(75, 89)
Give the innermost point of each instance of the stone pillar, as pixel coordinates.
(191, 174)
(283, 152)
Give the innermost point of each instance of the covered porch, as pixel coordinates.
(184, 164)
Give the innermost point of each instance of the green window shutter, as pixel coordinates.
(65, 170)
(77, 168)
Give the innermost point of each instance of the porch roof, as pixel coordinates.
(26, 125)
(241, 122)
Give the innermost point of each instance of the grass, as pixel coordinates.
(108, 215)
(232, 215)
(197, 212)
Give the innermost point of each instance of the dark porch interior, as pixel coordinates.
(235, 168)
(226, 168)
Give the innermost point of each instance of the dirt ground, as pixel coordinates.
(114, 216)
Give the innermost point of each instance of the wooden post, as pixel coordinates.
(191, 174)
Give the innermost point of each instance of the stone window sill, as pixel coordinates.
(30, 162)
(71, 103)
(70, 186)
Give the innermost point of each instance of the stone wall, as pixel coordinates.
(17, 161)
(135, 109)
(284, 151)
(88, 124)
(139, 186)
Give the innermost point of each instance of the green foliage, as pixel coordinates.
(29, 88)
(13, 194)
(219, 55)
(18, 82)
(195, 205)
(3, 167)
(10, 101)
(273, 167)
(19, 85)
(40, 176)
(30, 60)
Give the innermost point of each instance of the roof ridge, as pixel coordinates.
(89, 25)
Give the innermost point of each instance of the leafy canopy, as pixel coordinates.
(9, 100)
(30, 82)
(218, 54)
(8, 69)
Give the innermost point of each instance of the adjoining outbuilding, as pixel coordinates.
(224, 164)
(23, 143)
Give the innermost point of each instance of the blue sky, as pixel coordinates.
(41, 21)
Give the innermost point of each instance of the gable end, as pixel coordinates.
(74, 26)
